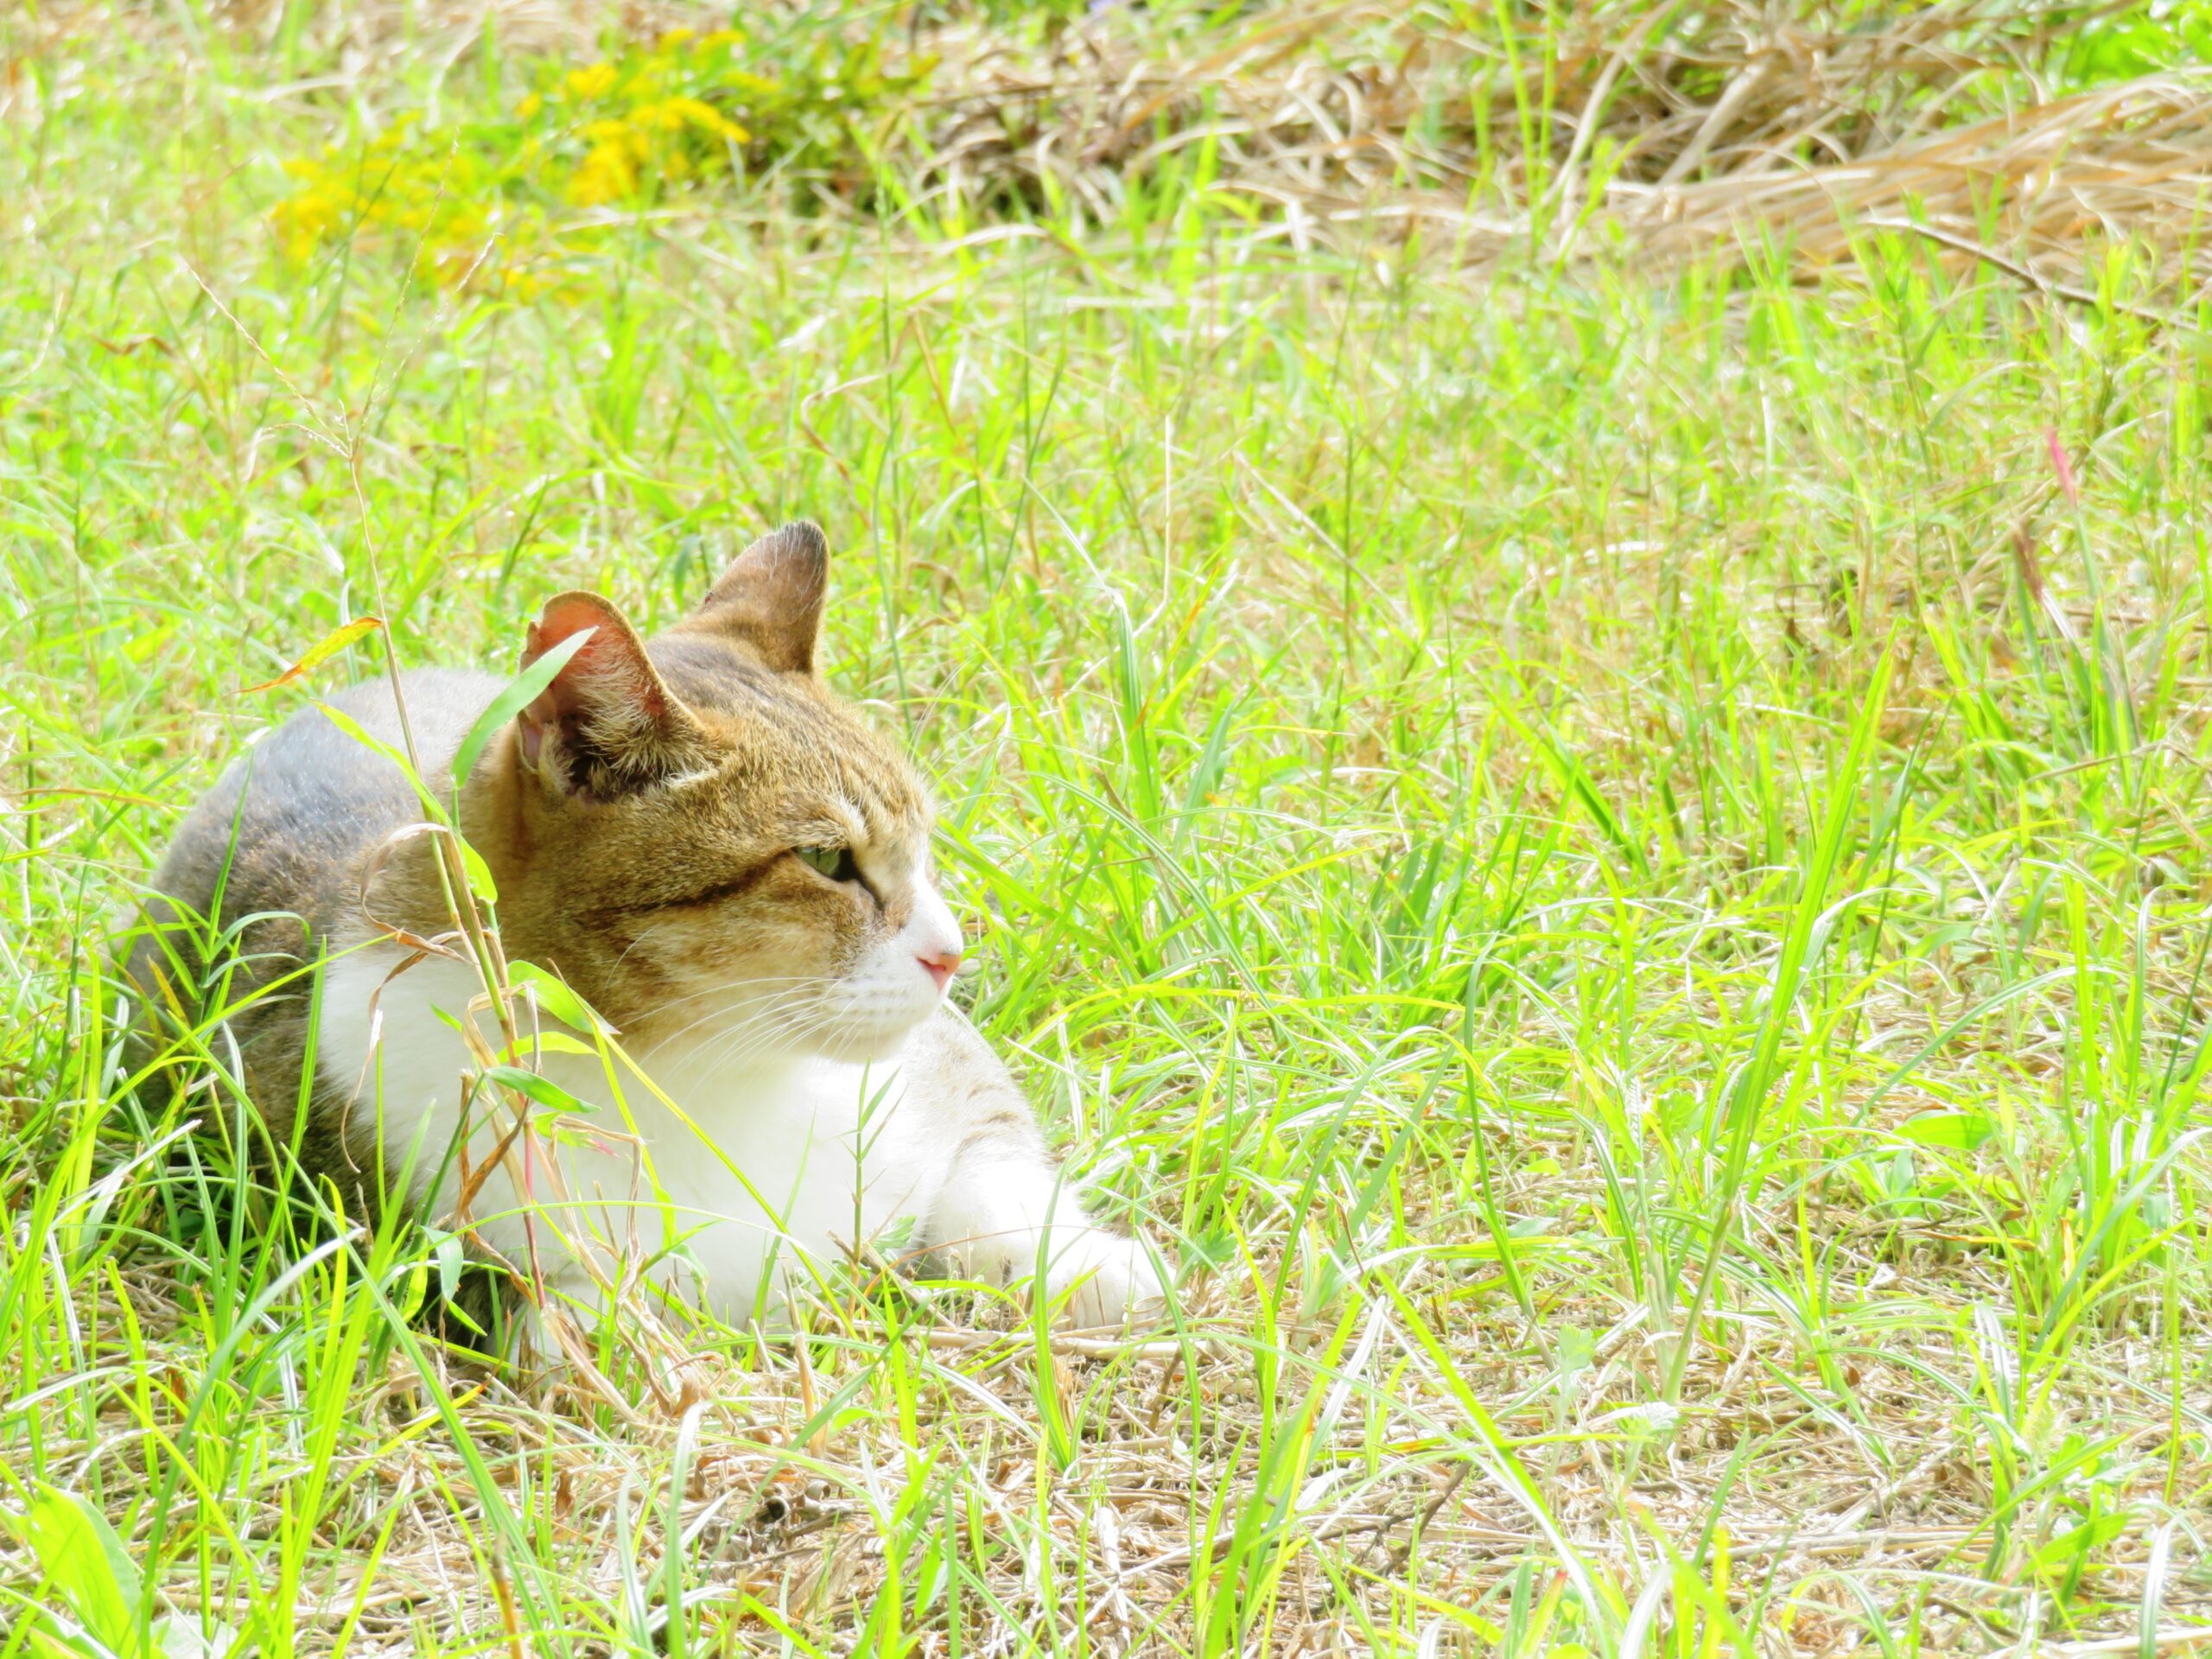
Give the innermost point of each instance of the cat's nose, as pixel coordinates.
(941, 968)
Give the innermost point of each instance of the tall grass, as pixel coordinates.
(1612, 864)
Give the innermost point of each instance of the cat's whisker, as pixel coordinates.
(737, 1003)
(744, 1041)
(722, 1051)
(738, 996)
(643, 933)
(759, 1022)
(740, 988)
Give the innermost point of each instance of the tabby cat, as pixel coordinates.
(731, 869)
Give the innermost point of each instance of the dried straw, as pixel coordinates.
(1346, 120)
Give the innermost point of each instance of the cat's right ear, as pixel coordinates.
(607, 722)
(770, 599)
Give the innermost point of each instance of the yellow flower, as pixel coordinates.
(531, 105)
(304, 220)
(609, 169)
(689, 111)
(595, 81)
(675, 114)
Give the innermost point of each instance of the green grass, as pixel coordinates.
(1607, 858)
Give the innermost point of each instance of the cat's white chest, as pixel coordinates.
(737, 1172)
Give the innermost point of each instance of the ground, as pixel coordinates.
(1607, 854)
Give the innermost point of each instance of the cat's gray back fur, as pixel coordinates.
(316, 802)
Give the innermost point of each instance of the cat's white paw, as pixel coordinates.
(1112, 1279)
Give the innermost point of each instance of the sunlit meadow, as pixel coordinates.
(1608, 856)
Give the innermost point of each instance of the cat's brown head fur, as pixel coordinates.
(655, 821)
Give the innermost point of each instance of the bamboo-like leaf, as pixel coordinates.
(512, 702)
(321, 652)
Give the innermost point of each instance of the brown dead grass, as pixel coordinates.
(1349, 120)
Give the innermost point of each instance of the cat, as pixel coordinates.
(713, 850)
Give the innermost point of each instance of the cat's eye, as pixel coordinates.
(835, 862)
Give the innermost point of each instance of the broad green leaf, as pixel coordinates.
(543, 1091)
(554, 996)
(517, 696)
(479, 874)
(450, 1258)
(546, 1042)
(2078, 1541)
(1899, 1173)
(87, 1565)
(1960, 1131)
(186, 1638)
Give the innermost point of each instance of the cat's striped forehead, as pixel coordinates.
(779, 735)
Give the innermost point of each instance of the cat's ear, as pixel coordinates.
(607, 722)
(771, 597)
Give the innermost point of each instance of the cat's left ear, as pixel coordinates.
(771, 597)
(607, 722)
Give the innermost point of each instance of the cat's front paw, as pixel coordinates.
(1105, 1279)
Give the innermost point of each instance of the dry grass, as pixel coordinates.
(2045, 192)
(1746, 126)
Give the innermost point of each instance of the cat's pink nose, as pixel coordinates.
(941, 968)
